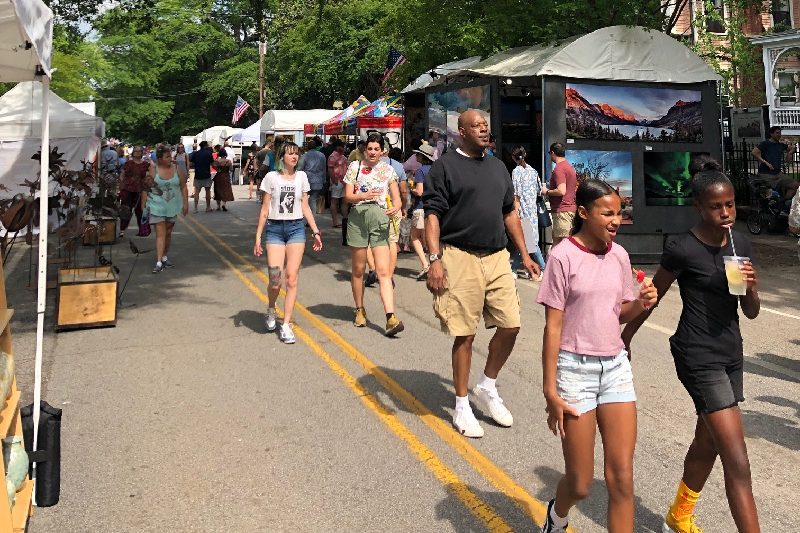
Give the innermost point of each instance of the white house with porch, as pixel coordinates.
(781, 56)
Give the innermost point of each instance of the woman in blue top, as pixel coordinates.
(164, 195)
(424, 154)
(526, 189)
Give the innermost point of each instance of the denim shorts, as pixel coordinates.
(585, 381)
(286, 231)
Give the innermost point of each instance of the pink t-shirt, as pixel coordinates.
(590, 288)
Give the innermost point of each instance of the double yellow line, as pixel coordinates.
(535, 509)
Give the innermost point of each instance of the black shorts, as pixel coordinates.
(712, 386)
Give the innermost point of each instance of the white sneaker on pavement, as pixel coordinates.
(269, 320)
(465, 422)
(490, 402)
(287, 334)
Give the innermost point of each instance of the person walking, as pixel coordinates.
(285, 204)
(394, 227)
(359, 153)
(182, 160)
(424, 155)
(223, 192)
(201, 160)
(563, 184)
(315, 166)
(707, 346)
(367, 186)
(469, 206)
(587, 379)
(337, 168)
(133, 173)
(109, 159)
(121, 155)
(526, 189)
(163, 198)
(251, 173)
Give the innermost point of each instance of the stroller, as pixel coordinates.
(768, 210)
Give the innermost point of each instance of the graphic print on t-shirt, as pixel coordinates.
(287, 200)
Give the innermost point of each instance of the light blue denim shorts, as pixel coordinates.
(286, 231)
(585, 381)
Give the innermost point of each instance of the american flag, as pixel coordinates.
(394, 60)
(240, 109)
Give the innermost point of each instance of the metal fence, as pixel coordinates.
(741, 165)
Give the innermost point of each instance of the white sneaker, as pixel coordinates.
(539, 277)
(287, 335)
(514, 274)
(269, 320)
(465, 422)
(491, 402)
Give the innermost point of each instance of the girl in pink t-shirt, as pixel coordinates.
(588, 383)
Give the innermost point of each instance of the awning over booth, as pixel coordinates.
(293, 119)
(387, 106)
(26, 40)
(617, 53)
(442, 70)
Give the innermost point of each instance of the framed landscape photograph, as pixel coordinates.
(615, 168)
(633, 113)
(666, 178)
(444, 108)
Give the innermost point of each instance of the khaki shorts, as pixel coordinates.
(394, 236)
(476, 285)
(562, 224)
(418, 219)
(777, 181)
(368, 225)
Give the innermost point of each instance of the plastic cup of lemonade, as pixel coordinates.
(736, 284)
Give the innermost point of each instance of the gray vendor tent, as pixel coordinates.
(619, 53)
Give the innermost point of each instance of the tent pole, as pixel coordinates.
(44, 181)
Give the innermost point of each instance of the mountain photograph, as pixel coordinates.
(633, 114)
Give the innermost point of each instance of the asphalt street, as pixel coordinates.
(189, 416)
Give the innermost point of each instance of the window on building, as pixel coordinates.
(782, 14)
(713, 24)
(787, 87)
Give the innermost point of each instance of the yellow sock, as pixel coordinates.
(683, 506)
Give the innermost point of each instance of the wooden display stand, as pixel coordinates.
(107, 233)
(87, 298)
(15, 520)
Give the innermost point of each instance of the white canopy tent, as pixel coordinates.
(217, 134)
(294, 120)
(619, 53)
(76, 134)
(251, 133)
(26, 42)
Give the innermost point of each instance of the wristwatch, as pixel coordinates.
(434, 257)
(315, 233)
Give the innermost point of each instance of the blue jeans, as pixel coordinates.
(313, 195)
(286, 231)
(516, 259)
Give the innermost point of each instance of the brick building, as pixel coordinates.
(776, 32)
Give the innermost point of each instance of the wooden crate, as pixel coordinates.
(107, 233)
(87, 298)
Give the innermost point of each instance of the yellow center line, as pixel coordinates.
(481, 510)
(535, 509)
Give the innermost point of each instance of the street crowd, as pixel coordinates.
(475, 228)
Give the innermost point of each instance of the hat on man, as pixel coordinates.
(426, 150)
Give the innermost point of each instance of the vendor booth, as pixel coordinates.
(362, 117)
(250, 134)
(74, 133)
(290, 123)
(217, 134)
(632, 107)
(26, 43)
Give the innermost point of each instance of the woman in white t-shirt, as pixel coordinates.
(283, 208)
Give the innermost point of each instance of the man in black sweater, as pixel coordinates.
(469, 206)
